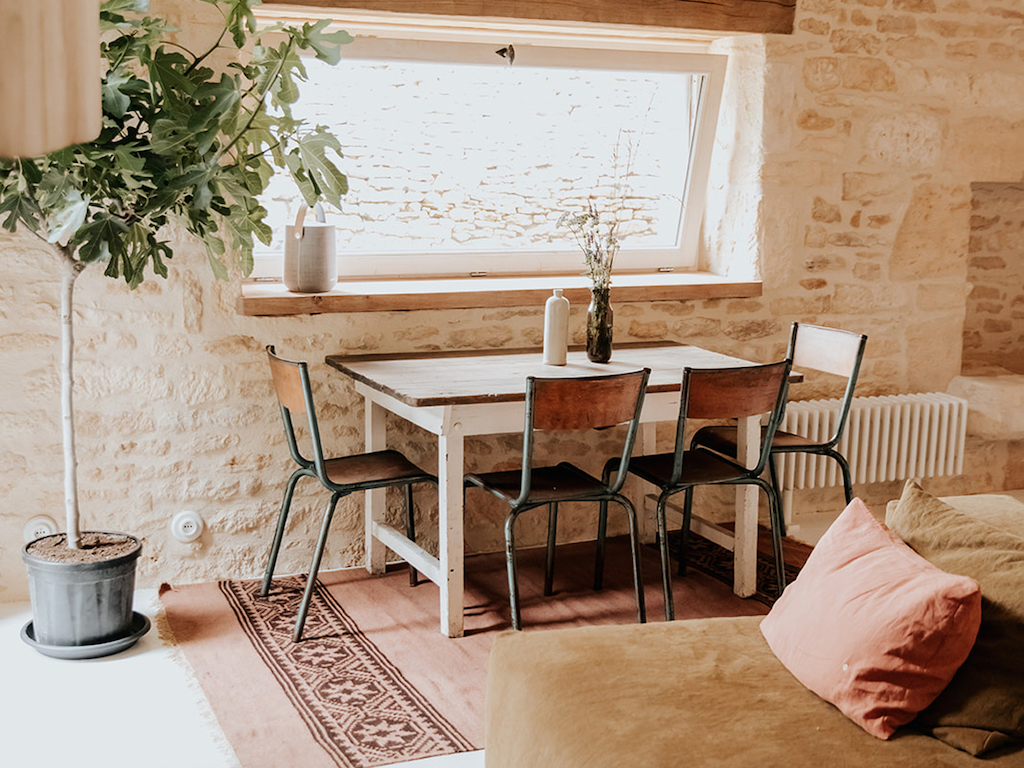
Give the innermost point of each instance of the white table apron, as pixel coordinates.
(451, 424)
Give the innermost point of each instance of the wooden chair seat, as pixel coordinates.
(379, 468)
(699, 468)
(563, 482)
(723, 440)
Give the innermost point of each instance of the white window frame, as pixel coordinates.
(550, 45)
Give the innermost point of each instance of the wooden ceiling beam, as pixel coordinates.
(727, 16)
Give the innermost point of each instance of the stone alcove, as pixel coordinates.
(994, 322)
(993, 340)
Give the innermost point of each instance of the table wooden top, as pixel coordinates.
(493, 376)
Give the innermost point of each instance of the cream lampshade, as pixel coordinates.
(49, 75)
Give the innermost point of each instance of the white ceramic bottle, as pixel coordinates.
(556, 329)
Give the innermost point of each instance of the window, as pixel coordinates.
(460, 160)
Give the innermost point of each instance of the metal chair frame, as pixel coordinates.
(850, 352)
(603, 492)
(700, 390)
(294, 393)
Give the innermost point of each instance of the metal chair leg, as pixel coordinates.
(684, 534)
(666, 563)
(282, 521)
(844, 467)
(775, 517)
(549, 560)
(774, 474)
(410, 531)
(314, 568)
(602, 531)
(634, 541)
(510, 563)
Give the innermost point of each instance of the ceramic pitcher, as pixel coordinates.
(310, 255)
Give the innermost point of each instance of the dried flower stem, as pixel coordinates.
(597, 240)
(597, 237)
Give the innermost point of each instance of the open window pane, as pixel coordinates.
(460, 163)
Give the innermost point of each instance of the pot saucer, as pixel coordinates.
(140, 626)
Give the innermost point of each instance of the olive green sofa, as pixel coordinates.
(710, 692)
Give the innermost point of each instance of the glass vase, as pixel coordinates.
(599, 326)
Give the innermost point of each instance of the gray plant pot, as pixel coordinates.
(83, 610)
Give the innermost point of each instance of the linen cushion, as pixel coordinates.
(871, 626)
(983, 707)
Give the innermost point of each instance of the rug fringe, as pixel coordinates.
(199, 700)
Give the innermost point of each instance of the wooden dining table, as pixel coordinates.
(457, 394)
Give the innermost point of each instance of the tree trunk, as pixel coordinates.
(71, 270)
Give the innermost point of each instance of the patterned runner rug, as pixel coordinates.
(374, 682)
(716, 561)
(355, 703)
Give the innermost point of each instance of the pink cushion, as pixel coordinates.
(871, 626)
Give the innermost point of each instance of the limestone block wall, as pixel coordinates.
(884, 112)
(879, 116)
(994, 326)
(844, 179)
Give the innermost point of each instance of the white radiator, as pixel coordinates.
(892, 437)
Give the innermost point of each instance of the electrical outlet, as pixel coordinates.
(39, 526)
(187, 526)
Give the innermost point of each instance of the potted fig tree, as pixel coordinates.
(191, 137)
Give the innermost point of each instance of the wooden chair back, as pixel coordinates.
(731, 393)
(585, 403)
(295, 396)
(831, 350)
(288, 381)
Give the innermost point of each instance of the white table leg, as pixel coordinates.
(745, 542)
(376, 502)
(450, 460)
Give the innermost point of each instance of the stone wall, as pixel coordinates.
(994, 327)
(885, 112)
(848, 188)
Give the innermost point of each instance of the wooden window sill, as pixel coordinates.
(263, 299)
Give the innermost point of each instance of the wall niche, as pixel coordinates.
(993, 341)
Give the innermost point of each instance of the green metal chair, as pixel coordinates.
(811, 347)
(562, 404)
(713, 394)
(341, 476)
